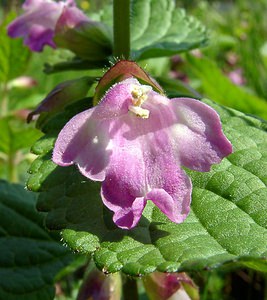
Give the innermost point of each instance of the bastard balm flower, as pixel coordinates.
(37, 25)
(135, 141)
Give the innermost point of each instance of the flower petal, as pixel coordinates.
(124, 186)
(194, 130)
(38, 22)
(39, 37)
(82, 141)
(199, 132)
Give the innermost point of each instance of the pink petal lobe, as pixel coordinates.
(83, 142)
(201, 139)
(86, 140)
(123, 188)
(193, 129)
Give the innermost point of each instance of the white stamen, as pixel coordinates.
(139, 96)
(139, 111)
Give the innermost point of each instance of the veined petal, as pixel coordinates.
(124, 187)
(201, 139)
(194, 129)
(144, 166)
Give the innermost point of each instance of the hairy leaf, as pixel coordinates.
(13, 55)
(30, 258)
(16, 135)
(158, 28)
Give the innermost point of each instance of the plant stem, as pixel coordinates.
(121, 28)
(130, 291)
(12, 168)
(4, 102)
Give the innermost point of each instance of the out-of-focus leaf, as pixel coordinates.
(30, 258)
(14, 55)
(215, 85)
(16, 135)
(89, 40)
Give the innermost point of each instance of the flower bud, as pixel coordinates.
(84, 37)
(98, 286)
(22, 82)
(170, 286)
(62, 95)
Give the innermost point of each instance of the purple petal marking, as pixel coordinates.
(39, 37)
(139, 159)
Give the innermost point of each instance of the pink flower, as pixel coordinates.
(236, 76)
(135, 141)
(37, 25)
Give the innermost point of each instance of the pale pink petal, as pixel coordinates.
(194, 129)
(82, 141)
(199, 133)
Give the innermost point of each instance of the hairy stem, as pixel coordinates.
(121, 28)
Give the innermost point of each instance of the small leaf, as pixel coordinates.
(158, 28)
(14, 56)
(75, 63)
(227, 222)
(30, 258)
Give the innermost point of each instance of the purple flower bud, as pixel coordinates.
(170, 286)
(63, 94)
(136, 141)
(37, 25)
(99, 286)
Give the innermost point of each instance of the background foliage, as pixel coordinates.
(226, 230)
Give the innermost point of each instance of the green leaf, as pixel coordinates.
(16, 135)
(215, 85)
(30, 258)
(75, 63)
(14, 56)
(227, 222)
(158, 28)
